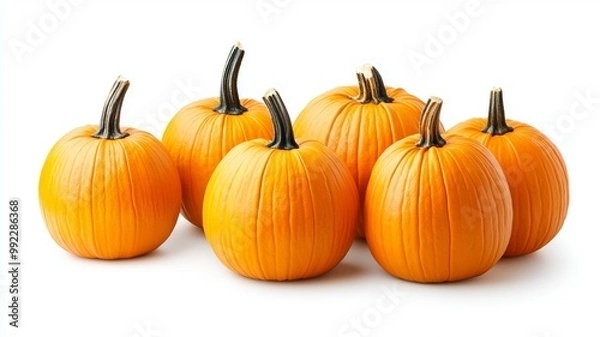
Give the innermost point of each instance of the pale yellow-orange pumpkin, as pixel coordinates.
(437, 209)
(281, 209)
(107, 192)
(359, 123)
(535, 170)
(202, 132)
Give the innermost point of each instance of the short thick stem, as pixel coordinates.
(496, 124)
(111, 113)
(430, 124)
(371, 88)
(284, 133)
(229, 99)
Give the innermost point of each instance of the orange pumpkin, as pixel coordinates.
(359, 123)
(281, 209)
(202, 132)
(437, 209)
(109, 193)
(535, 170)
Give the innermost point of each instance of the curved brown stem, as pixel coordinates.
(430, 124)
(111, 113)
(229, 100)
(496, 124)
(371, 88)
(284, 133)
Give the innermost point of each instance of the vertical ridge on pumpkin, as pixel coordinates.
(530, 231)
(543, 183)
(464, 202)
(417, 164)
(484, 203)
(64, 240)
(360, 173)
(90, 245)
(325, 172)
(310, 263)
(263, 190)
(496, 191)
(133, 198)
(226, 244)
(444, 188)
(555, 198)
(436, 230)
(293, 174)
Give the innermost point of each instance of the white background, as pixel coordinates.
(57, 67)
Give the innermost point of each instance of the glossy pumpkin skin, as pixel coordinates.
(109, 198)
(537, 177)
(198, 136)
(437, 214)
(359, 132)
(280, 214)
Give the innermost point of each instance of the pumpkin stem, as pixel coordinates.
(284, 133)
(111, 113)
(371, 88)
(430, 124)
(496, 124)
(230, 101)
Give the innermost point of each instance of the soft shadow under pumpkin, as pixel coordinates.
(356, 265)
(344, 272)
(526, 270)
